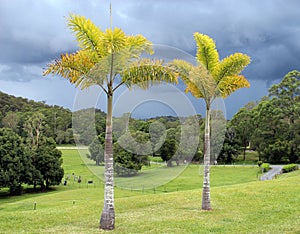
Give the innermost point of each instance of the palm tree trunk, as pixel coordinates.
(107, 221)
(206, 180)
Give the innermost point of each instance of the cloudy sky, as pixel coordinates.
(32, 33)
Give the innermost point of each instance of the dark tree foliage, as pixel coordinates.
(96, 149)
(126, 162)
(230, 149)
(126, 157)
(168, 150)
(169, 147)
(242, 124)
(15, 163)
(272, 127)
(47, 162)
(87, 124)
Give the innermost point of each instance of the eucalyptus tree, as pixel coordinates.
(11, 120)
(276, 121)
(209, 79)
(108, 59)
(286, 96)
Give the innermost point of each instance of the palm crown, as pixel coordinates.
(106, 54)
(211, 77)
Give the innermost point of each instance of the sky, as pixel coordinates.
(33, 33)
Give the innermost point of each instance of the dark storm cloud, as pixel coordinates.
(268, 30)
(33, 32)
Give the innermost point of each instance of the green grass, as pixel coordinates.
(240, 205)
(162, 178)
(251, 158)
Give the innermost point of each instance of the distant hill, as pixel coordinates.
(19, 104)
(15, 111)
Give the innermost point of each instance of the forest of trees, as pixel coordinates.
(57, 121)
(271, 127)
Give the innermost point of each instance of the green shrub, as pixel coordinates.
(289, 168)
(265, 167)
(259, 163)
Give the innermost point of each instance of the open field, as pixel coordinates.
(160, 177)
(241, 204)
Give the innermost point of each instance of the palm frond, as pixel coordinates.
(74, 67)
(113, 40)
(87, 33)
(138, 44)
(147, 72)
(230, 84)
(231, 66)
(207, 53)
(201, 84)
(182, 68)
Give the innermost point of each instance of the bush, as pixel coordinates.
(265, 167)
(289, 168)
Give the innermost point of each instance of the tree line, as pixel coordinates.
(57, 121)
(272, 126)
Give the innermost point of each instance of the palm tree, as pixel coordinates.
(211, 78)
(108, 59)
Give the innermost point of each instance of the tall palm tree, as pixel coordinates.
(211, 78)
(108, 59)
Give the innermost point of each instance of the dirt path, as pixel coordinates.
(276, 169)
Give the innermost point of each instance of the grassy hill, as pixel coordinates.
(241, 204)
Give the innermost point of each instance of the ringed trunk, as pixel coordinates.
(107, 221)
(206, 179)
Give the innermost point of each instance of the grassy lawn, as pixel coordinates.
(251, 158)
(241, 204)
(158, 177)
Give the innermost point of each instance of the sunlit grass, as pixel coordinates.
(256, 207)
(251, 158)
(158, 177)
(240, 205)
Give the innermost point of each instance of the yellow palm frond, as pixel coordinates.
(197, 79)
(138, 44)
(231, 66)
(113, 40)
(147, 72)
(73, 66)
(207, 53)
(87, 33)
(230, 84)
(182, 68)
(201, 84)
